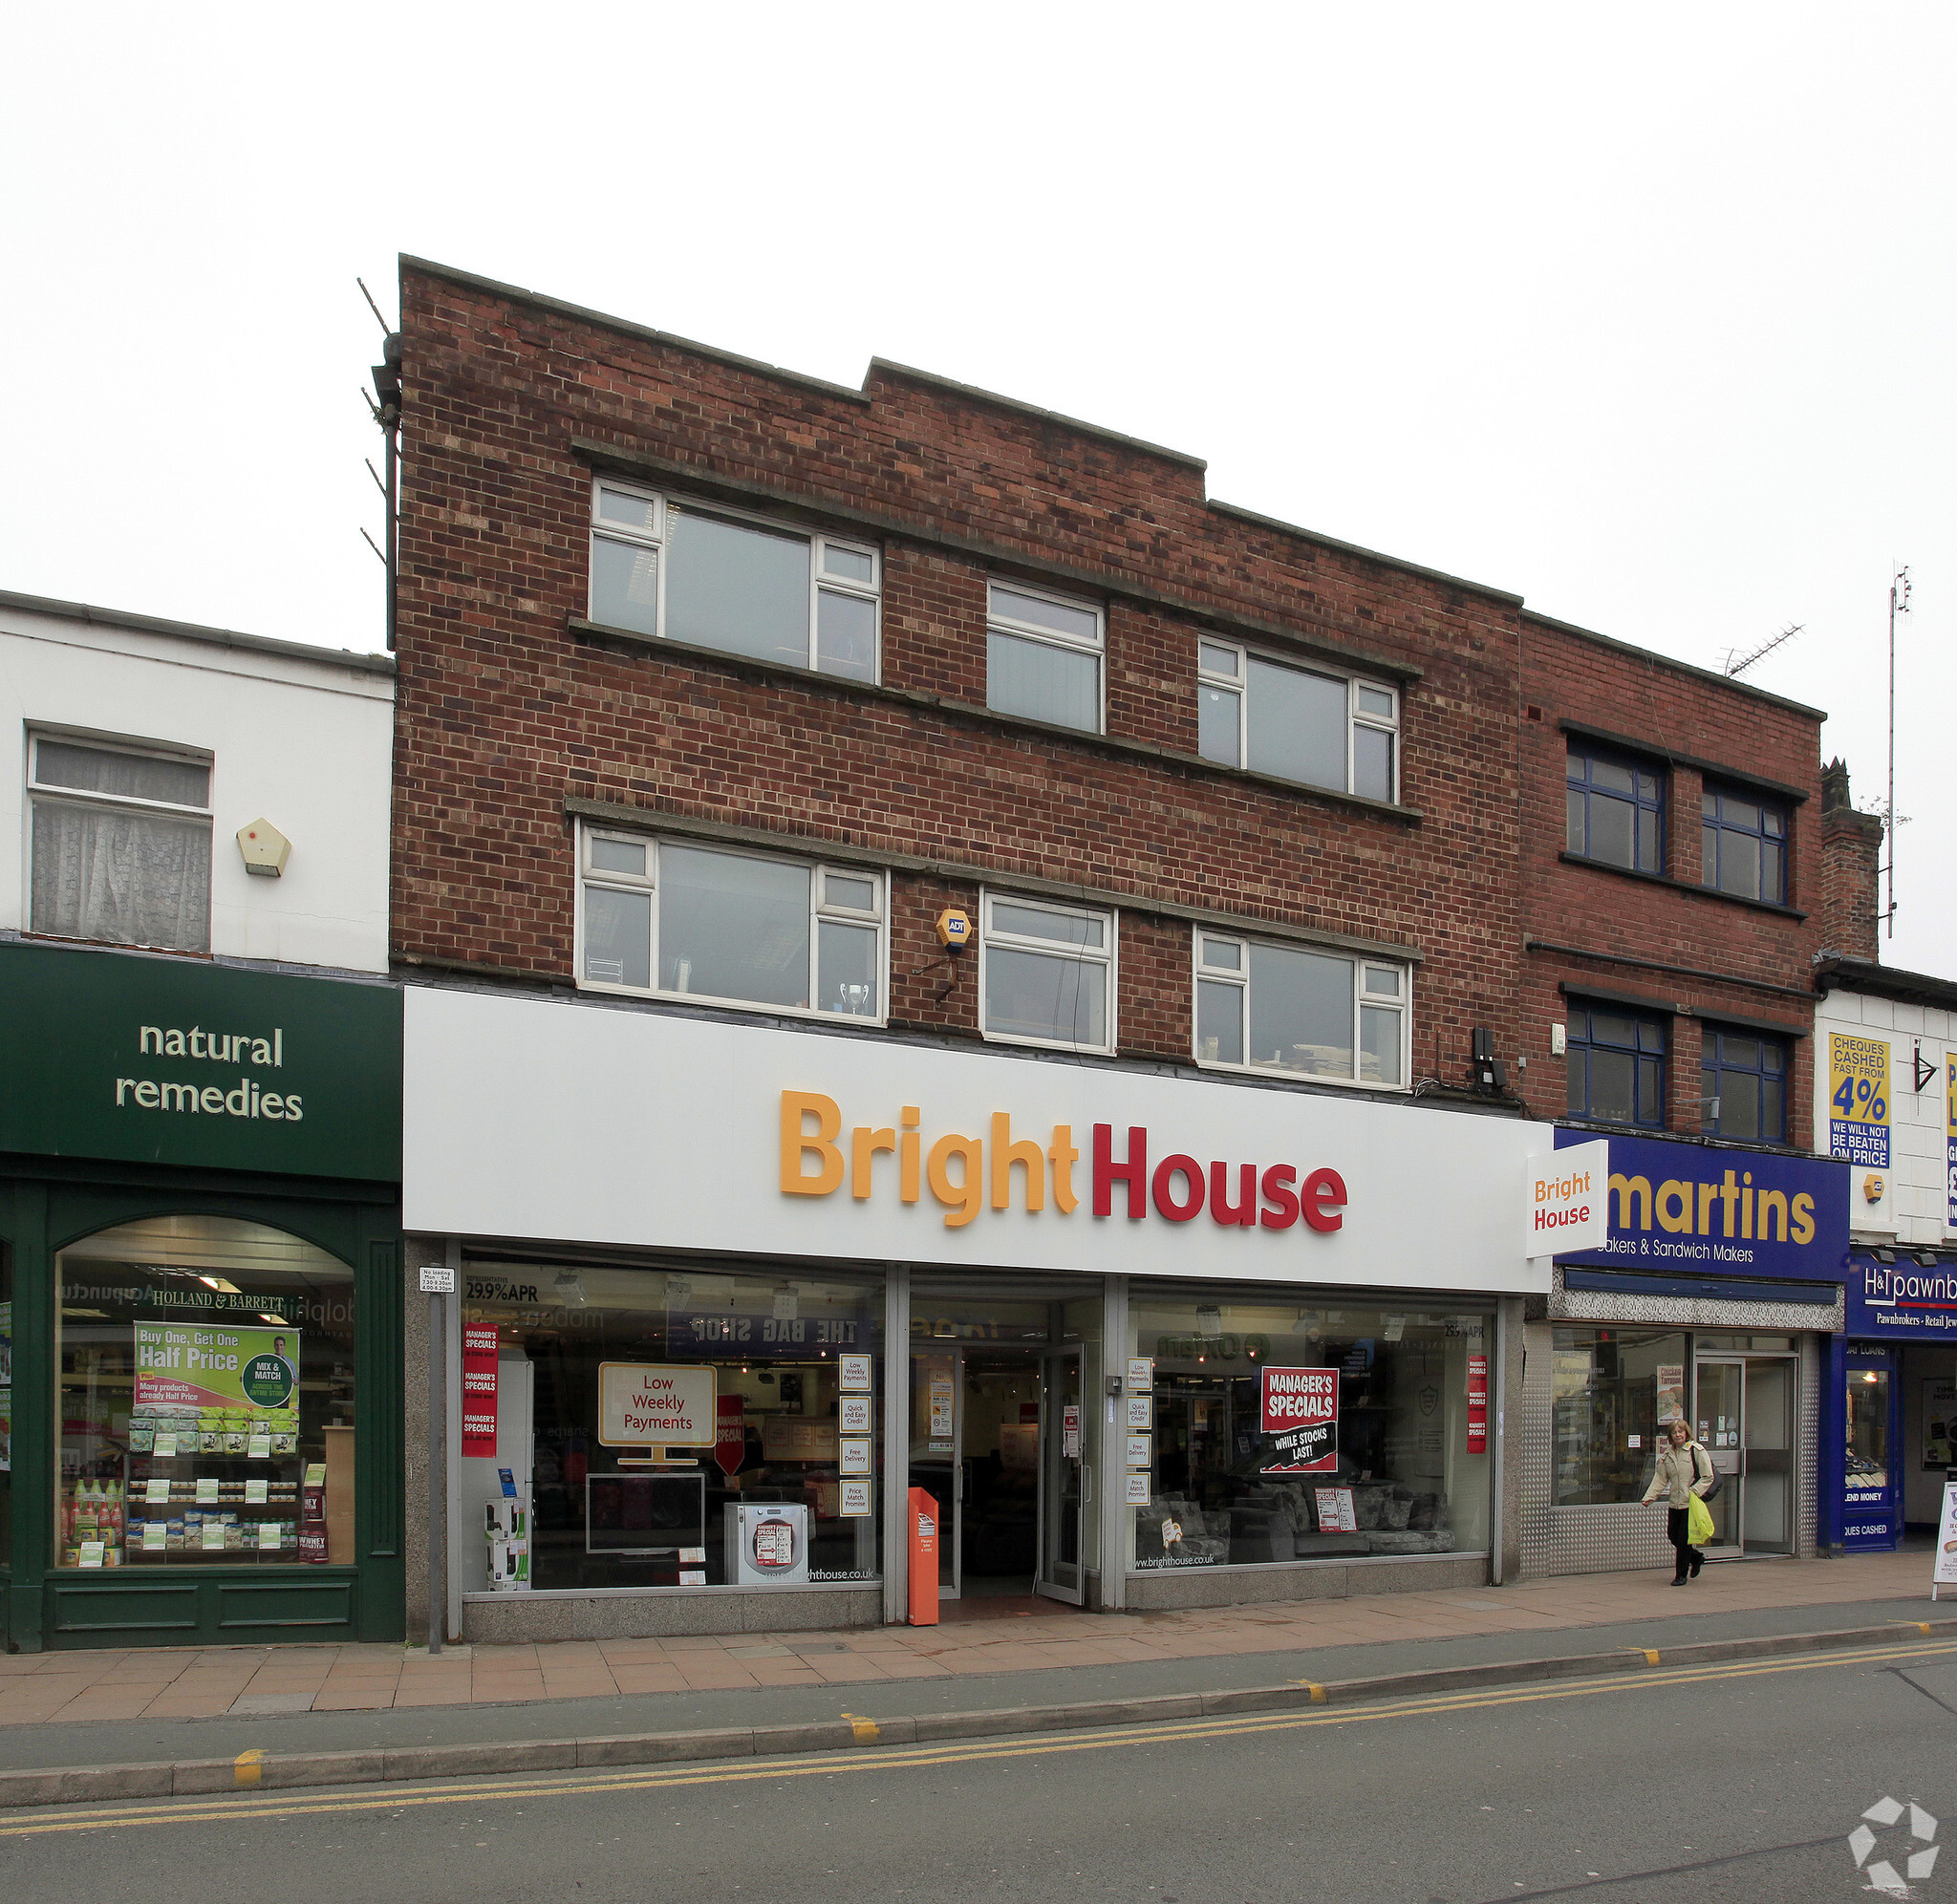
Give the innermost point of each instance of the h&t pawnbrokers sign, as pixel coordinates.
(155, 1060)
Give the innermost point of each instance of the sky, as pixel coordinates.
(1644, 313)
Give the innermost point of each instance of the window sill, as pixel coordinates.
(1277, 1075)
(599, 989)
(601, 636)
(1047, 1044)
(1684, 885)
(1751, 1144)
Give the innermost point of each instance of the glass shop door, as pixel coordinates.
(1720, 1389)
(1061, 1477)
(937, 1390)
(1871, 1485)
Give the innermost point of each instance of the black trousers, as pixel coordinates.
(1678, 1530)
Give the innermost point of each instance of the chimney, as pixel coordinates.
(1851, 859)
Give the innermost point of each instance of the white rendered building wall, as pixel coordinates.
(306, 743)
(1915, 1200)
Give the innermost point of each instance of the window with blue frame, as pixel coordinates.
(1616, 811)
(1743, 1085)
(1617, 1066)
(1743, 846)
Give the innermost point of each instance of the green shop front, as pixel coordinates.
(199, 1302)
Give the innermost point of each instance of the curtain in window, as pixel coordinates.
(128, 879)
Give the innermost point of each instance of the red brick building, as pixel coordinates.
(726, 690)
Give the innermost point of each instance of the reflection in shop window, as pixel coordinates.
(670, 1427)
(1267, 1433)
(1614, 1390)
(206, 1399)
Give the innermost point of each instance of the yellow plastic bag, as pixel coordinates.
(1698, 1521)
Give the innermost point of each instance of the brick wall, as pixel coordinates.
(507, 708)
(1652, 939)
(509, 705)
(1850, 870)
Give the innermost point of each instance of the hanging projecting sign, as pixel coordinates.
(1300, 1421)
(1565, 1203)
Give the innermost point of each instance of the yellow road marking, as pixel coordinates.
(1650, 1656)
(247, 1766)
(728, 1771)
(867, 1731)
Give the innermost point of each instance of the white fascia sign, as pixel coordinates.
(568, 1121)
(1567, 1200)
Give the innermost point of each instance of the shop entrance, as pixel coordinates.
(1746, 1419)
(998, 1437)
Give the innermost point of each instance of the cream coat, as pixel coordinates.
(1679, 1474)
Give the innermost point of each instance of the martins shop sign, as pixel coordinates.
(155, 1060)
(1691, 1207)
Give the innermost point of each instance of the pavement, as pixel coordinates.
(133, 1706)
(1760, 1780)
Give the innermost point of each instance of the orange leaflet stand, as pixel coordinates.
(923, 1557)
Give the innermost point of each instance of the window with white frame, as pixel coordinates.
(1319, 729)
(1288, 1008)
(1043, 656)
(1048, 974)
(120, 844)
(688, 921)
(685, 571)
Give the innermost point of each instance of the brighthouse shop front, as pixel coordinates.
(727, 1294)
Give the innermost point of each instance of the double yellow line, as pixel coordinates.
(507, 1786)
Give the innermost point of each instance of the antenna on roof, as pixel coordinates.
(387, 413)
(372, 307)
(1736, 663)
(1899, 605)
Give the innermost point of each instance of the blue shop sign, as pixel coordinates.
(1723, 1212)
(1901, 1302)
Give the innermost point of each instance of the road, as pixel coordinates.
(1734, 1783)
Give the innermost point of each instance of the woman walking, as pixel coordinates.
(1683, 1473)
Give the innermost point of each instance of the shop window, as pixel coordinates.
(121, 850)
(1317, 729)
(1617, 1066)
(1743, 1085)
(770, 1477)
(1614, 1390)
(1616, 811)
(206, 1398)
(742, 584)
(1046, 973)
(1280, 1008)
(1268, 1433)
(1043, 656)
(730, 928)
(1868, 1431)
(1743, 846)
